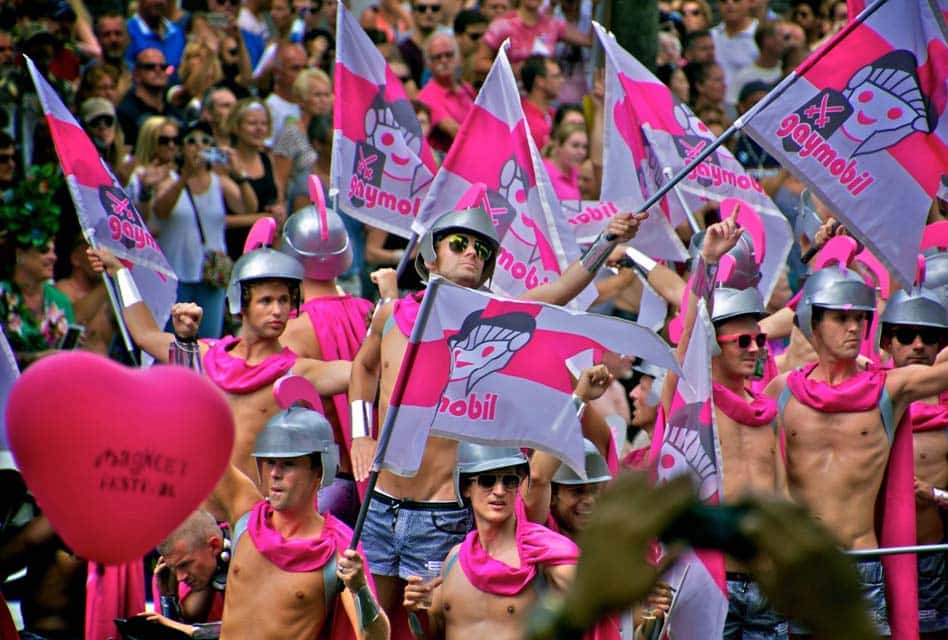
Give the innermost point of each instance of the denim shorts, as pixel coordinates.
(932, 592)
(407, 538)
(749, 615)
(872, 579)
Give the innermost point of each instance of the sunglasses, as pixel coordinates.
(153, 66)
(692, 12)
(205, 140)
(907, 335)
(6, 158)
(743, 340)
(475, 35)
(427, 8)
(233, 51)
(102, 121)
(166, 140)
(489, 480)
(445, 55)
(458, 244)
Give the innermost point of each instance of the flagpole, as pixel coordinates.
(406, 257)
(667, 172)
(775, 93)
(394, 402)
(114, 301)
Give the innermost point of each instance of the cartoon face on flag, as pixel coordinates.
(382, 165)
(662, 135)
(494, 148)
(862, 123)
(495, 370)
(107, 214)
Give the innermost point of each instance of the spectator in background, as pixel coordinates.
(290, 60)
(149, 29)
(493, 9)
(734, 46)
(89, 298)
(99, 122)
(200, 70)
(699, 47)
(566, 151)
(766, 68)
(293, 155)
(154, 157)
(220, 23)
(806, 13)
(320, 48)
(575, 60)
(112, 33)
(7, 164)
(215, 109)
(389, 17)
(707, 85)
(235, 67)
(541, 80)
(791, 34)
(448, 98)
(401, 71)
(676, 80)
(147, 95)
(426, 17)
(695, 15)
(99, 81)
(469, 26)
(7, 50)
(254, 18)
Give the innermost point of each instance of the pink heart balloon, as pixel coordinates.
(117, 457)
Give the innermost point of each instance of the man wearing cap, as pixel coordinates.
(489, 582)
(914, 329)
(330, 326)
(264, 287)
(288, 560)
(840, 422)
(462, 247)
(746, 422)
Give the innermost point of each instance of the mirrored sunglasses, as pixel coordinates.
(744, 340)
(458, 244)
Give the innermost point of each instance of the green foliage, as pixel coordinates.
(28, 213)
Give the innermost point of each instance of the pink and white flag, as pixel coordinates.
(658, 135)
(9, 372)
(686, 443)
(494, 148)
(107, 214)
(485, 369)
(382, 165)
(863, 125)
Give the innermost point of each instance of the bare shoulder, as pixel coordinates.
(775, 386)
(299, 337)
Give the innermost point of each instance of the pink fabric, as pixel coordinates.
(445, 102)
(233, 375)
(760, 411)
(895, 505)
(637, 459)
(7, 627)
(565, 185)
(536, 545)
(929, 417)
(112, 591)
(539, 121)
(405, 311)
(525, 39)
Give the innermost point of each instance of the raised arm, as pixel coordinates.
(917, 382)
(235, 494)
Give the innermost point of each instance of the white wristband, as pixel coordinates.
(642, 261)
(360, 415)
(580, 405)
(127, 288)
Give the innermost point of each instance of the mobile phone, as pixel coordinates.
(71, 338)
(218, 19)
(213, 155)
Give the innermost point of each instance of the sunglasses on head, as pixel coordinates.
(458, 244)
(423, 8)
(205, 140)
(102, 121)
(744, 340)
(489, 480)
(153, 66)
(907, 335)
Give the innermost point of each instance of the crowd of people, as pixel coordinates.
(216, 115)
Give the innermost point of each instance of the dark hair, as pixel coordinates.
(315, 460)
(533, 67)
(377, 36)
(466, 18)
(765, 29)
(6, 140)
(247, 286)
(694, 35)
(565, 108)
(320, 129)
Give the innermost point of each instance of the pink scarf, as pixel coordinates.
(895, 505)
(535, 545)
(928, 417)
(233, 375)
(760, 411)
(405, 311)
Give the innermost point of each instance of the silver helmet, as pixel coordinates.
(320, 243)
(919, 307)
(596, 468)
(657, 374)
(936, 275)
(299, 431)
(260, 264)
(475, 458)
(833, 287)
(730, 303)
(473, 220)
(745, 270)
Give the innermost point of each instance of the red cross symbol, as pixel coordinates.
(364, 168)
(821, 112)
(122, 205)
(692, 151)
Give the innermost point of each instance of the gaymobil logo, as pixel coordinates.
(382, 170)
(481, 347)
(123, 219)
(881, 105)
(688, 448)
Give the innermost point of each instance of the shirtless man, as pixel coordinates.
(283, 580)
(646, 395)
(504, 562)
(330, 326)
(746, 422)
(422, 511)
(839, 421)
(914, 329)
(263, 288)
(90, 301)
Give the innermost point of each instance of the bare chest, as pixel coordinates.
(470, 612)
(749, 457)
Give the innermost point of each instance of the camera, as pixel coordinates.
(214, 155)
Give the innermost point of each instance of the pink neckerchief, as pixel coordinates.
(761, 410)
(859, 393)
(405, 311)
(929, 417)
(536, 545)
(233, 375)
(296, 555)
